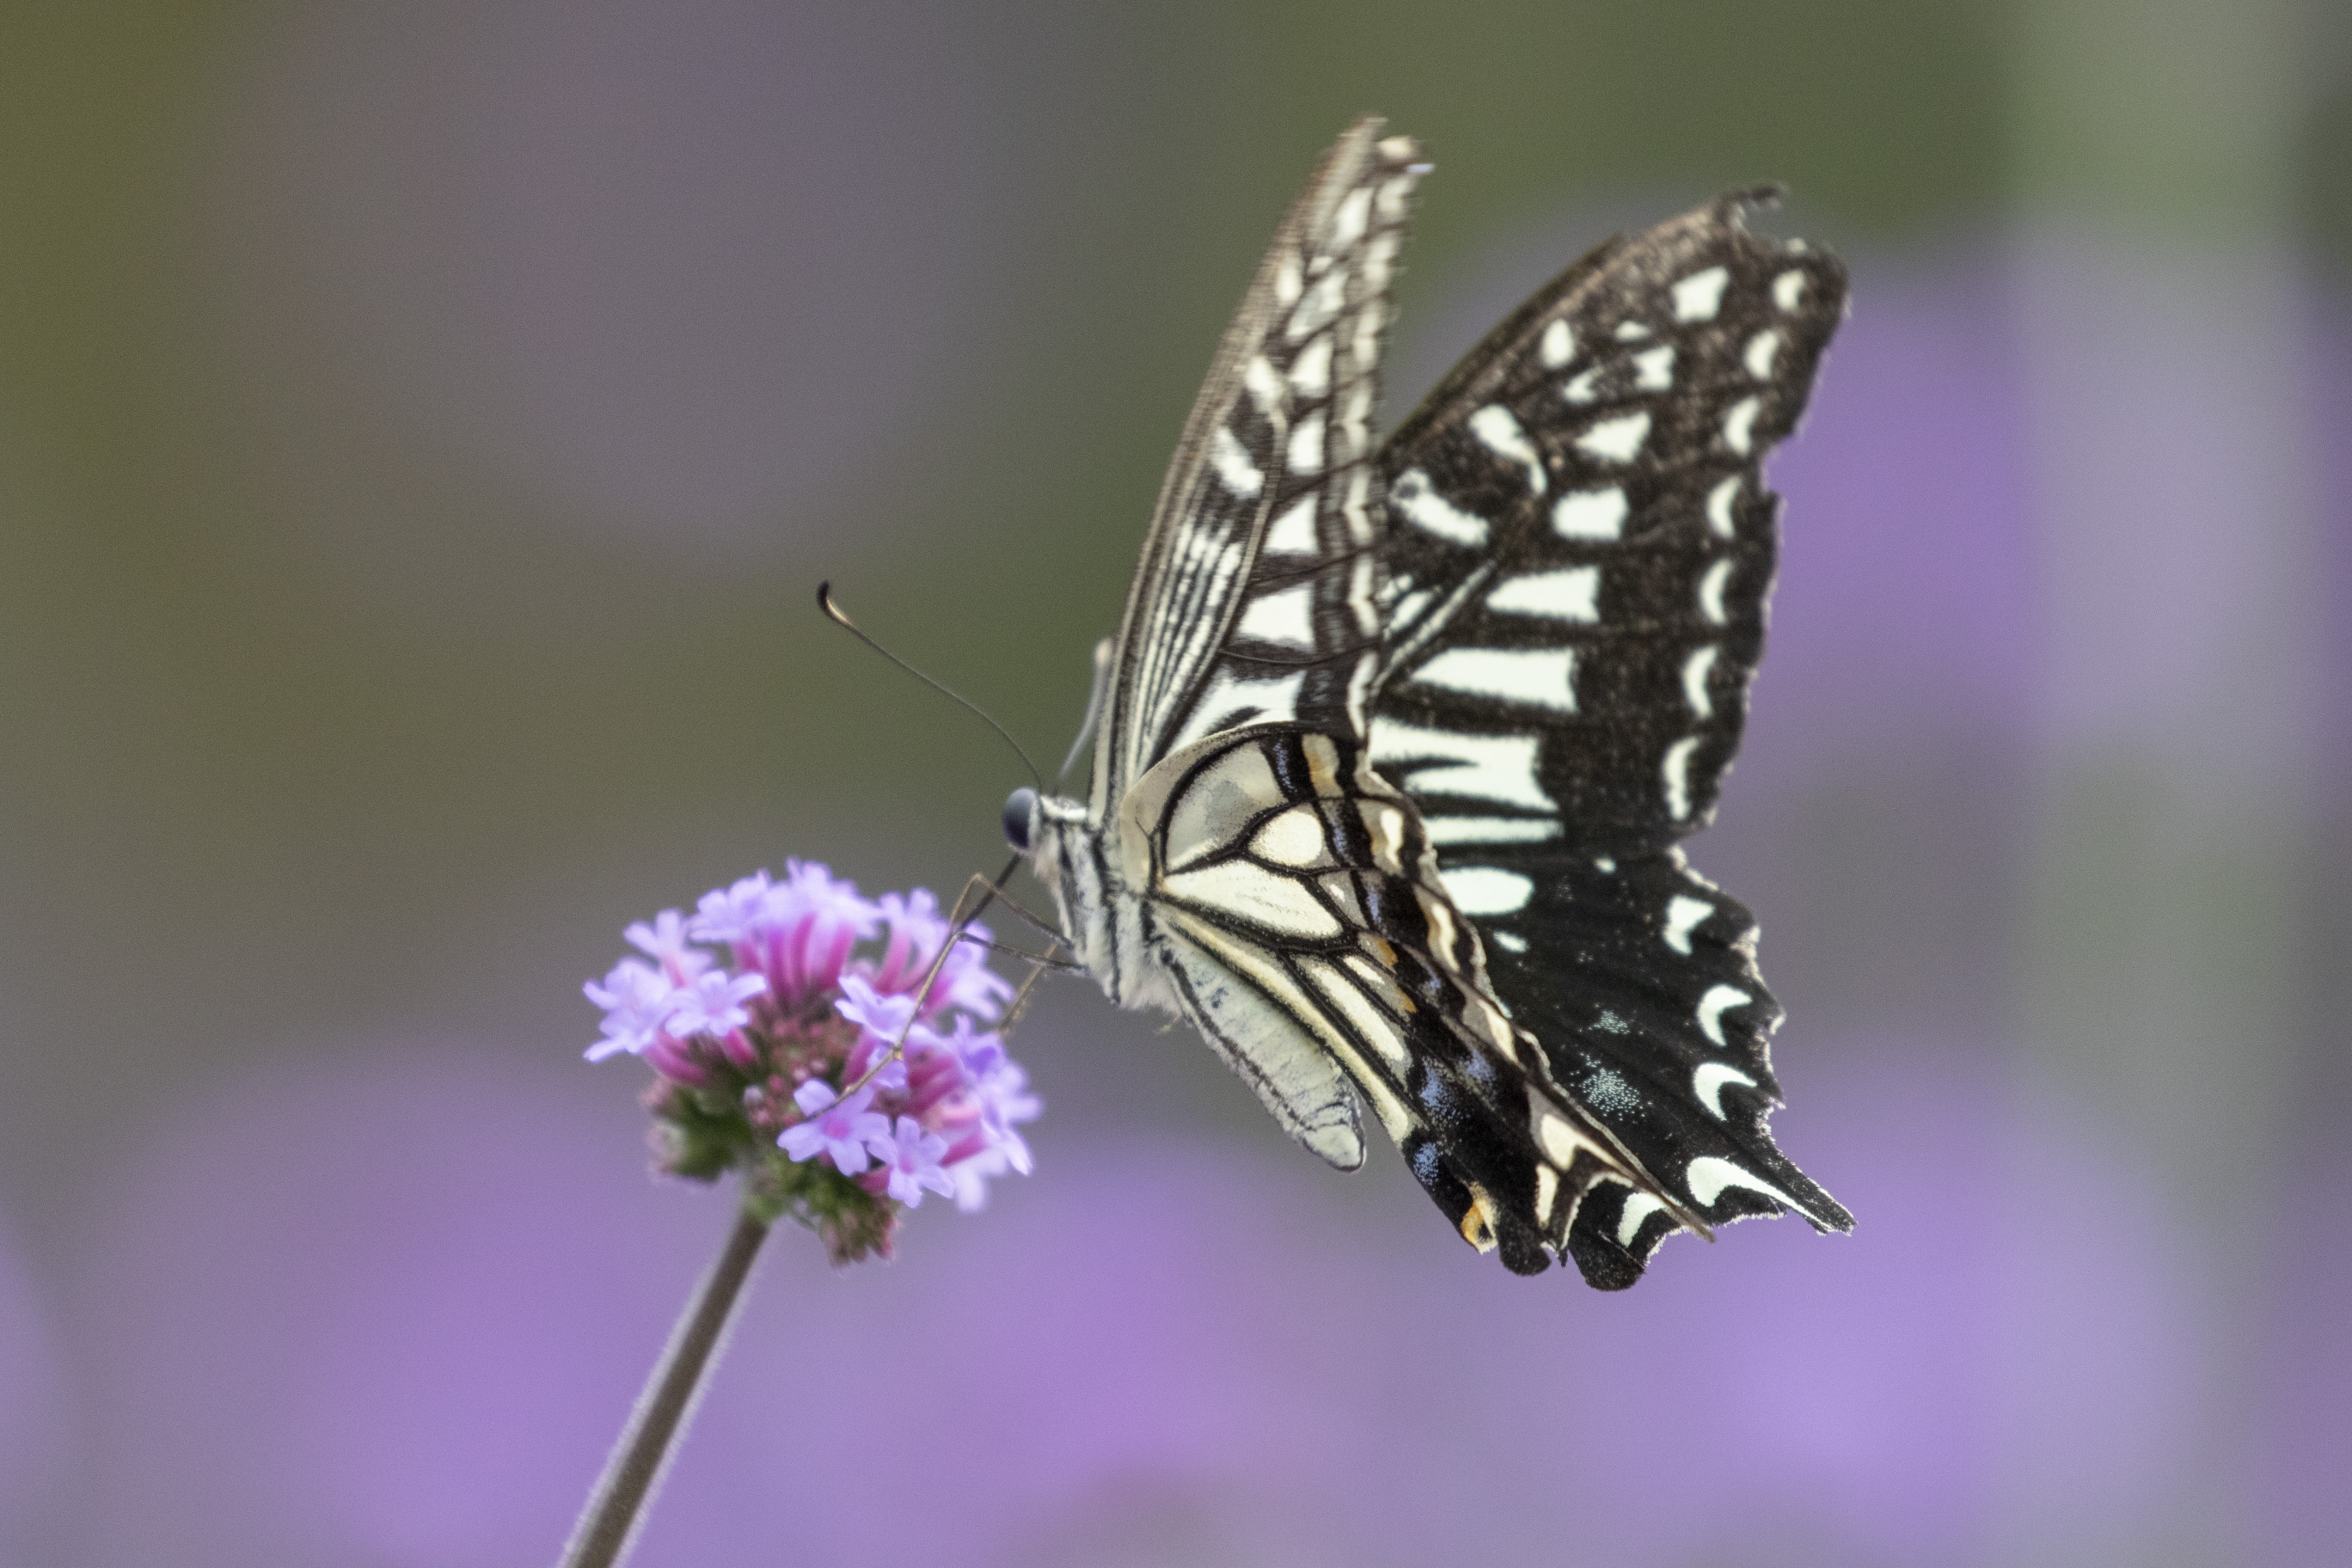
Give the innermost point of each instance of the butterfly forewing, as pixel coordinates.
(1256, 600)
(1582, 543)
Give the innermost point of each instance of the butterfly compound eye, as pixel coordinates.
(1020, 809)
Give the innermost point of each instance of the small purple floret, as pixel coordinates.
(912, 1157)
(712, 1004)
(637, 1000)
(732, 914)
(884, 1018)
(664, 940)
(843, 1129)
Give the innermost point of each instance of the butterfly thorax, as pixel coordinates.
(1095, 894)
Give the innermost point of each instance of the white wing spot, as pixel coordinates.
(1683, 916)
(1762, 349)
(1232, 464)
(1392, 196)
(1710, 590)
(1500, 768)
(1590, 515)
(1695, 669)
(1352, 432)
(1699, 296)
(1569, 594)
(1655, 368)
(1425, 508)
(1706, 1085)
(1488, 829)
(1385, 823)
(1367, 347)
(1676, 772)
(1239, 888)
(1788, 288)
(1322, 303)
(1509, 942)
(1348, 223)
(1439, 913)
(1630, 332)
(1579, 388)
(1718, 1000)
(1360, 687)
(1739, 425)
(1360, 521)
(1606, 865)
(1287, 618)
(1268, 700)
(1293, 532)
(1561, 1142)
(1361, 602)
(1718, 507)
(1306, 454)
(1499, 431)
(1710, 1173)
(1617, 440)
(1542, 678)
(1485, 890)
(1559, 344)
(1265, 386)
(1639, 1207)
(1310, 375)
(1286, 282)
(1293, 837)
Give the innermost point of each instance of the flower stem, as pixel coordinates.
(608, 1526)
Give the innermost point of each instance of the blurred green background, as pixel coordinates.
(423, 428)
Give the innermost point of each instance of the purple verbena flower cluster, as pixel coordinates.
(771, 1033)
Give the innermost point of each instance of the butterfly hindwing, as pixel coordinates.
(1291, 895)
(1639, 978)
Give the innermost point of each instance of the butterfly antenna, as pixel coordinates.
(834, 614)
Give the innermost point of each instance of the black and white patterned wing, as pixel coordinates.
(1292, 900)
(1256, 598)
(1581, 550)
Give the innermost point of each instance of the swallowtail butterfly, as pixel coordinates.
(1395, 744)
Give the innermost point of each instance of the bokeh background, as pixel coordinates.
(422, 428)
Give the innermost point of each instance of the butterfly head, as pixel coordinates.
(1039, 826)
(1020, 820)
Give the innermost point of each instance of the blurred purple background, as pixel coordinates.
(421, 431)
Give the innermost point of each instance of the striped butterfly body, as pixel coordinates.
(1395, 744)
